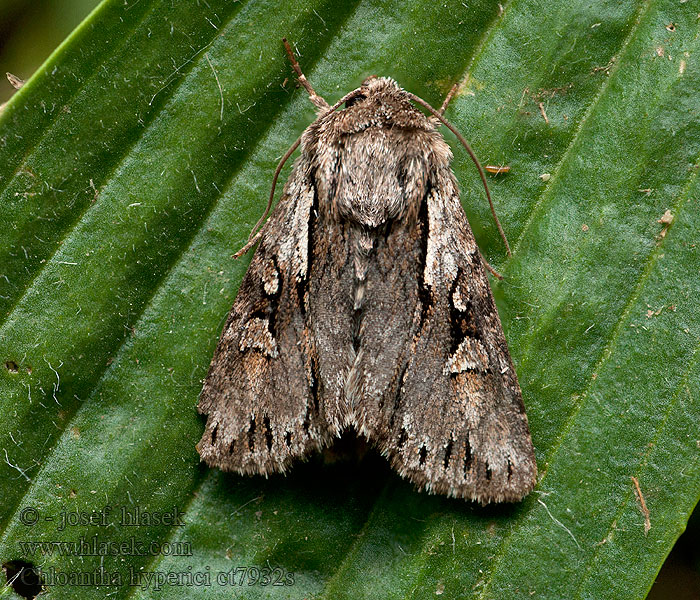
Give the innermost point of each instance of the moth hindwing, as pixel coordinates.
(367, 305)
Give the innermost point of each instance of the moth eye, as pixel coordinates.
(354, 99)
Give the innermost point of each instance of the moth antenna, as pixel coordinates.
(464, 142)
(254, 237)
(448, 98)
(257, 231)
(318, 101)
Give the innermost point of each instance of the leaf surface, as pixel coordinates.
(135, 162)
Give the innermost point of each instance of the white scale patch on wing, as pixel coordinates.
(293, 249)
(256, 335)
(458, 299)
(470, 355)
(441, 265)
(270, 278)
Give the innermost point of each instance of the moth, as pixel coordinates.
(366, 305)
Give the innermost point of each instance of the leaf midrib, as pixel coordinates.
(478, 51)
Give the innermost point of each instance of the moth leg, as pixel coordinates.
(317, 100)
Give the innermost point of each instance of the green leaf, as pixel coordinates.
(135, 162)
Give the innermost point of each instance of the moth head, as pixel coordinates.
(380, 102)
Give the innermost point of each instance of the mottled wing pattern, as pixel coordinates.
(367, 305)
(457, 425)
(261, 391)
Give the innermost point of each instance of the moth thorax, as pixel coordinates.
(379, 180)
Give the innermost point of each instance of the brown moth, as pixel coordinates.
(366, 305)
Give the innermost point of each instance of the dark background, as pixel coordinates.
(30, 30)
